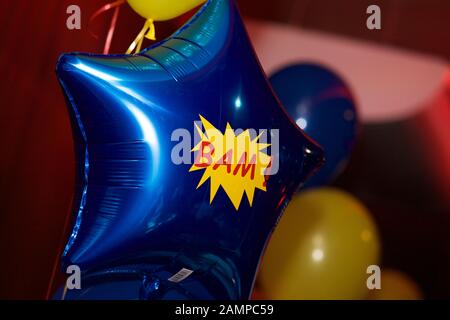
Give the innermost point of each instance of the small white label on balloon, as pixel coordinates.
(180, 275)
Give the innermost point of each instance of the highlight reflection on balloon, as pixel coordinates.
(142, 219)
(322, 105)
(321, 248)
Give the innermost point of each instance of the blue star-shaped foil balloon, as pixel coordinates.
(149, 223)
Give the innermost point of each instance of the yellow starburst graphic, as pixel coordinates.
(235, 162)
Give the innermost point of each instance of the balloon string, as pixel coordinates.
(147, 31)
(63, 296)
(60, 249)
(111, 30)
(113, 5)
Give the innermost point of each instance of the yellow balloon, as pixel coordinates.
(160, 10)
(396, 286)
(321, 248)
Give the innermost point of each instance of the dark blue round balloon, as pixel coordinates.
(143, 226)
(322, 105)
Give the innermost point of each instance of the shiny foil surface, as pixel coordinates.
(139, 218)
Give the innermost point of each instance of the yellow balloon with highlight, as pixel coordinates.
(321, 248)
(160, 10)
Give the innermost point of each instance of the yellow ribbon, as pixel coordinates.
(148, 31)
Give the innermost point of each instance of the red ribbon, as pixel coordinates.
(113, 5)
